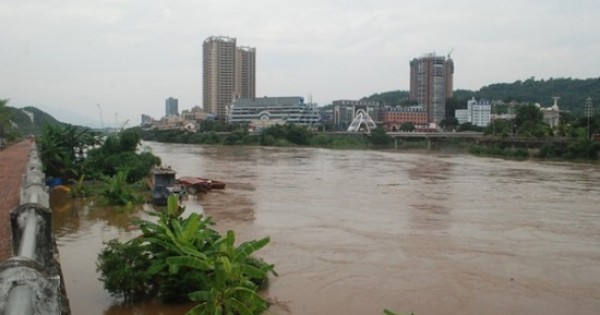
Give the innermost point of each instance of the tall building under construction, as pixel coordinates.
(245, 72)
(228, 73)
(431, 80)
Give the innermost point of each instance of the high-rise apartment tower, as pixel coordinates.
(171, 107)
(229, 72)
(431, 79)
(245, 72)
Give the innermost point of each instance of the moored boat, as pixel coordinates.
(199, 184)
(162, 182)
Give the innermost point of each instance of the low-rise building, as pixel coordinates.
(171, 123)
(394, 117)
(551, 115)
(479, 113)
(196, 114)
(146, 119)
(289, 109)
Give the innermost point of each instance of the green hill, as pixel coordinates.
(390, 98)
(572, 92)
(31, 120)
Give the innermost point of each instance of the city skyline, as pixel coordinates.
(228, 72)
(128, 57)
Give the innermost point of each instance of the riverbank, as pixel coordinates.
(521, 148)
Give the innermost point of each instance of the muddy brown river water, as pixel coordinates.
(354, 232)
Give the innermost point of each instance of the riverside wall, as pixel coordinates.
(13, 160)
(31, 280)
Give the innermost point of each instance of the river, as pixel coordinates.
(354, 232)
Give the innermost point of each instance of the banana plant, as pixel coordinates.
(174, 236)
(186, 255)
(231, 289)
(117, 191)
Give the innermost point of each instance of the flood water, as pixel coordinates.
(354, 232)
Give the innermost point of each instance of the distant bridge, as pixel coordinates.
(456, 135)
(475, 137)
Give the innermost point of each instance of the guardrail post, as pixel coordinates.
(44, 243)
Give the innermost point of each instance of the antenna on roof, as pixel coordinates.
(450, 53)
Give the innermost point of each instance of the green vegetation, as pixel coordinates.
(74, 154)
(449, 123)
(123, 269)
(528, 123)
(31, 121)
(408, 127)
(391, 98)
(63, 150)
(117, 192)
(181, 259)
(499, 150)
(15, 123)
(278, 135)
(7, 130)
(379, 138)
(119, 153)
(572, 92)
(581, 149)
(71, 152)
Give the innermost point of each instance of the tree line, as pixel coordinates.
(572, 92)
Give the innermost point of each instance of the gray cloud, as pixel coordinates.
(129, 56)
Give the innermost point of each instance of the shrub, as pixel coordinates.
(322, 140)
(183, 259)
(123, 269)
(117, 192)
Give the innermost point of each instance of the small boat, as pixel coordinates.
(162, 182)
(198, 184)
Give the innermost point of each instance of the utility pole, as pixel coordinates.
(588, 114)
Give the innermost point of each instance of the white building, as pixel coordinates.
(551, 115)
(479, 113)
(287, 109)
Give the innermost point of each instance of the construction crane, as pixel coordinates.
(101, 119)
(123, 125)
(450, 53)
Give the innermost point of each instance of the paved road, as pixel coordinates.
(13, 160)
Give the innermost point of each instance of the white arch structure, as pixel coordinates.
(362, 119)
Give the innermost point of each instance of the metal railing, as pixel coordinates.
(31, 281)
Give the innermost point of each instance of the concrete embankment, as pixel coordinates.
(31, 280)
(13, 160)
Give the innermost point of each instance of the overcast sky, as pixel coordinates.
(65, 57)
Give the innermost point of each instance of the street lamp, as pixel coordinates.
(588, 114)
